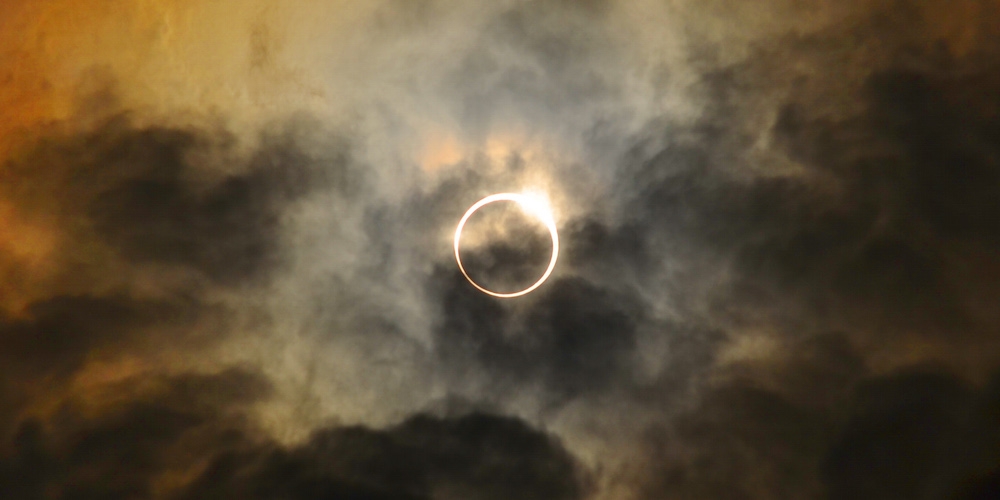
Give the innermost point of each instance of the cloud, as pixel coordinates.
(932, 426)
(56, 338)
(867, 232)
(163, 425)
(778, 275)
(153, 431)
(194, 426)
(576, 339)
(476, 456)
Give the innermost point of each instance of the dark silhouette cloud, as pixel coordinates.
(477, 457)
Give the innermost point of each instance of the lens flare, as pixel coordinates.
(533, 204)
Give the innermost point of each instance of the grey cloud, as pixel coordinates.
(751, 296)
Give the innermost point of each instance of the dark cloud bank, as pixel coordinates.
(880, 240)
(194, 425)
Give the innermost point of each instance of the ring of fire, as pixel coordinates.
(532, 206)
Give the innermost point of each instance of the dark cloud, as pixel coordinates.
(913, 435)
(121, 197)
(476, 457)
(139, 188)
(865, 235)
(875, 216)
(574, 339)
(228, 231)
(50, 342)
(741, 443)
(56, 335)
(162, 425)
(195, 426)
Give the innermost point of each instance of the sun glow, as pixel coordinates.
(537, 205)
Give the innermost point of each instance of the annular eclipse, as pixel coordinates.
(533, 205)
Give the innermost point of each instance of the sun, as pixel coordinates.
(532, 203)
(537, 205)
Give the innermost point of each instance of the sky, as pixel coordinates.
(227, 265)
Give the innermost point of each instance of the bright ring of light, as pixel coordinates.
(533, 207)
